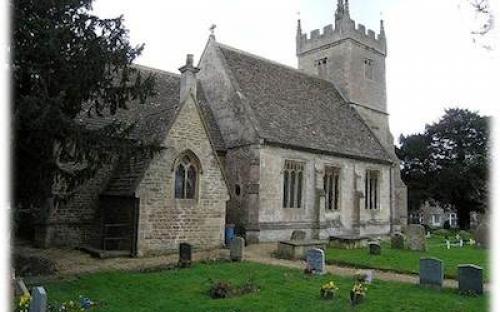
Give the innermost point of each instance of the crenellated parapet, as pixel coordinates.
(343, 30)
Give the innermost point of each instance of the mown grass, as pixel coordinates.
(407, 261)
(281, 289)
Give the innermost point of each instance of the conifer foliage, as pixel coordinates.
(449, 163)
(67, 62)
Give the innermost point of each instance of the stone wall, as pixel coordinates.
(164, 221)
(243, 172)
(277, 222)
(76, 221)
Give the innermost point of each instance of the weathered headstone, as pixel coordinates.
(398, 241)
(448, 245)
(374, 248)
(237, 249)
(461, 243)
(298, 235)
(38, 300)
(470, 279)
(365, 276)
(416, 237)
(481, 235)
(316, 260)
(185, 255)
(431, 272)
(428, 235)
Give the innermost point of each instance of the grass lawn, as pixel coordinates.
(282, 289)
(406, 261)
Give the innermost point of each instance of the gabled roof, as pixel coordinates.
(298, 110)
(152, 119)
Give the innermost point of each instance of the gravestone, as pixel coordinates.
(398, 241)
(470, 279)
(298, 235)
(365, 276)
(481, 235)
(38, 300)
(448, 244)
(237, 248)
(374, 248)
(185, 255)
(431, 272)
(416, 237)
(316, 260)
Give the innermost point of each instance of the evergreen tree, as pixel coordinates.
(449, 163)
(66, 61)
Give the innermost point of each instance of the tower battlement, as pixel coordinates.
(345, 28)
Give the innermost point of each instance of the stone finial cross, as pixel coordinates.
(212, 29)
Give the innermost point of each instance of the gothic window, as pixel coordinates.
(293, 176)
(321, 64)
(369, 64)
(186, 175)
(332, 188)
(371, 189)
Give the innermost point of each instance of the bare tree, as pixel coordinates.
(482, 21)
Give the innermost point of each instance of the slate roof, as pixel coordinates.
(299, 110)
(153, 120)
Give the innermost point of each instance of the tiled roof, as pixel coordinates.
(299, 110)
(152, 121)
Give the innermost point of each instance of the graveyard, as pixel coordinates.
(235, 280)
(407, 261)
(280, 289)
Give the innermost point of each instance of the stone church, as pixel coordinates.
(254, 143)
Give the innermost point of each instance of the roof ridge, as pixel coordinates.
(157, 70)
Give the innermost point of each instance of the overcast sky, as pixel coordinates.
(432, 63)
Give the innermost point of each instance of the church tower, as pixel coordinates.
(354, 60)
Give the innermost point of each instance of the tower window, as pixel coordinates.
(321, 64)
(293, 174)
(369, 64)
(331, 186)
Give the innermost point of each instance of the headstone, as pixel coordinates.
(428, 235)
(237, 248)
(472, 242)
(431, 272)
(416, 237)
(315, 259)
(298, 235)
(470, 279)
(374, 248)
(185, 255)
(365, 276)
(38, 300)
(481, 235)
(461, 243)
(398, 241)
(448, 245)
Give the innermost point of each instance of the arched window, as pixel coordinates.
(186, 177)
